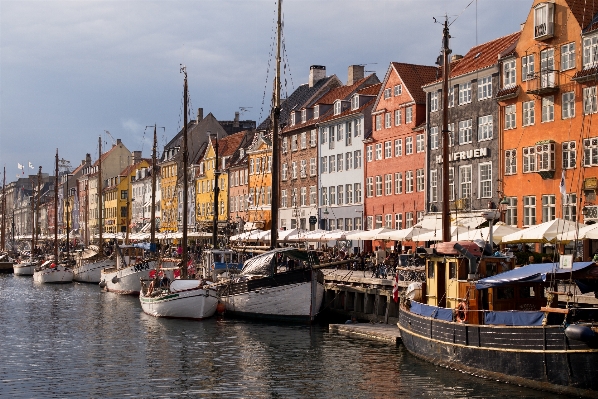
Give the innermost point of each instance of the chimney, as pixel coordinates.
(88, 159)
(316, 72)
(136, 157)
(455, 57)
(199, 114)
(236, 122)
(356, 72)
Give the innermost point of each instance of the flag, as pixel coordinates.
(20, 166)
(395, 289)
(31, 165)
(562, 185)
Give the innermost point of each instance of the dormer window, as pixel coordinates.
(544, 21)
(241, 152)
(355, 102)
(316, 112)
(303, 115)
(293, 118)
(337, 107)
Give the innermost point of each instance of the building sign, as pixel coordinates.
(463, 155)
(591, 183)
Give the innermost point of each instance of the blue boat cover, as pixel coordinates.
(432, 311)
(534, 273)
(514, 318)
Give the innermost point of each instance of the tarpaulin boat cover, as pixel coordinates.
(514, 318)
(534, 273)
(263, 264)
(432, 311)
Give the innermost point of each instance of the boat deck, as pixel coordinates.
(378, 332)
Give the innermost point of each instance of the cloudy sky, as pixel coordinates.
(70, 70)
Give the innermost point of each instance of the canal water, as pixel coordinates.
(74, 341)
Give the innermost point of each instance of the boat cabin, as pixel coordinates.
(219, 261)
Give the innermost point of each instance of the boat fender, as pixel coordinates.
(462, 312)
(579, 333)
(102, 283)
(115, 279)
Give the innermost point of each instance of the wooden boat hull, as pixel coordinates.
(196, 304)
(539, 357)
(6, 267)
(24, 269)
(92, 272)
(284, 297)
(55, 275)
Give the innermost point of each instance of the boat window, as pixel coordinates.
(217, 258)
(452, 270)
(431, 266)
(505, 293)
(527, 292)
(490, 269)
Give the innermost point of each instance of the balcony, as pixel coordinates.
(542, 83)
(507, 93)
(586, 75)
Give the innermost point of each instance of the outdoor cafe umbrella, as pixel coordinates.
(545, 232)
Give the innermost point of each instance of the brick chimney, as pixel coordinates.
(88, 159)
(356, 72)
(316, 72)
(199, 114)
(136, 157)
(236, 121)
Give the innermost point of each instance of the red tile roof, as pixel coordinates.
(373, 88)
(583, 11)
(414, 77)
(229, 144)
(340, 92)
(370, 90)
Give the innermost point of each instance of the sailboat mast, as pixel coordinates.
(32, 218)
(100, 217)
(36, 212)
(185, 161)
(275, 144)
(3, 210)
(56, 211)
(216, 192)
(153, 216)
(446, 212)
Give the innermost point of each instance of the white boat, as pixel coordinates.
(278, 285)
(50, 273)
(184, 299)
(25, 268)
(91, 272)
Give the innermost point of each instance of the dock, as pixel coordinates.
(379, 332)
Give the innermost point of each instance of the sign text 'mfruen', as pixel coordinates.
(463, 155)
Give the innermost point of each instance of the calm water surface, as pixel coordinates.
(73, 341)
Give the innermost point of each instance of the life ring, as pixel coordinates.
(462, 309)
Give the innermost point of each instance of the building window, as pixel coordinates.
(545, 159)
(348, 224)
(324, 193)
(398, 117)
(465, 132)
(284, 145)
(548, 109)
(589, 100)
(349, 135)
(303, 196)
(465, 93)
(388, 221)
(378, 222)
(527, 67)
(434, 137)
(369, 187)
(398, 221)
(357, 159)
(451, 97)
(316, 112)
(485, 128)
(569, 154)
(511, 212)
(568, 105)
(332, 164)
(420, 180)
(570, 207)
(378, 122)
(357, 223)
(451, 184)
(547, 74)
(465, 181)
(419, 143)
(294, 142)
(408, 220)
(434, 101)
(408, 145)
(378, 151)
(398, 183)
(348, 194)
(357, 192)
(313, 195)
(590, 51)
(388, 149)
(303, 115)
(509, 74)
(292, 118)
(312, 167)
(284, 171)
(485, 180)
(485, 88)
(388, 184)
(332, 195)
(590, 151)
(339, 162)
(323, 135)
(409, 181)
(387, 93)
(408, 114)
(312, 138)
(378, 186)
(510, 117)
(337, 107)
(543, 20)
(348, 161)
(293, 170)
(451, 134)
(511, 162)
(368, 153)
(548, 208)
(433, 185)
(529, 211)
(303, 168)
(340, 132)
(331, 138)
(340, 190)
(567, 56)
(323, 165)
(529, 159)
(398, 147)
(529, 115)
(358, 126)
(387, 120)
(355, 102)
(398, 90)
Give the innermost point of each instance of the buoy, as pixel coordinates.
(579, 333)
(220, 308)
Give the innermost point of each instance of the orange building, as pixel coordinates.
(259, 200)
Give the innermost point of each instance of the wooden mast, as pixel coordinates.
(2, 237)
(185, 161)
(56, 211)
(275, 144)
(100, 217)
(153, 215)
(446, 212)
(39, 195)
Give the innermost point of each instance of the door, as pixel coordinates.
(441, 284)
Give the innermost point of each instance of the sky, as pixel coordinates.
(71, 70)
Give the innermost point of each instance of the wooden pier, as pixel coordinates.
(379, 332)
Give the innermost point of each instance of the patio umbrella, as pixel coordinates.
(376, 234)
(406, 234)
(545, 232)
(436, 235)
(589, 232)
(499, 230)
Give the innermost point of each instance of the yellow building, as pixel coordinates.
(168, 185)
(259, 211)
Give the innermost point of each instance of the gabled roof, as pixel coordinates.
(584, 12)
(238, 160)
(413, 77)
(131, 168)
(107, 153)
(374, 89)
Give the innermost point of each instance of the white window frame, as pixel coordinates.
(465, 132)
(387, 149)
(369, 151)
(529, 210)
(387, 120)
(398, 183)
(547, 109)
(378, 186)
(511, 162)
(589, 100)
(388, 184)
(529, 159)
(568, 56)
(528, 64)
(398, 147)
(590, 151)
(398, 90)
(357, 193)
(420, 143)
(434, 138)
(420, 180)
(485, 179)
(378, 153)
(590, 50)
(510, 117)
(568, 105)
(409, 114)
(509, 73)
(408, 145)
(409, 181)
(485, 88)
(569, 154)
(465, 93)
(465, 181)
(529, 113)
(548, 207)
(434, 101)
(433, 185)
(398, 116)
(485, 128)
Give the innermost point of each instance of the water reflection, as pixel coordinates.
(75, 341)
